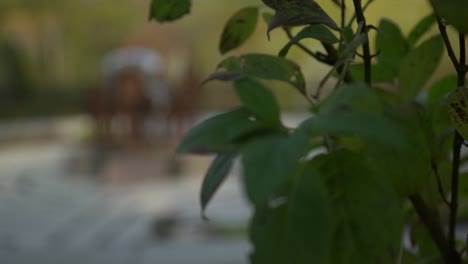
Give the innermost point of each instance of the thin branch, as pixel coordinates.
(439, 184)
(316, 55)
(330, 59)
(342, 75)
(333, 56)
(457, 143)
(343, 13)
(448, 45)
(432, 223)
(361, 19)
(310, 101)
(372, 56)
(323, 81)
(364, 8)
(341, 65)
(462, 65)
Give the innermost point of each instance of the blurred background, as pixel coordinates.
(93, 100)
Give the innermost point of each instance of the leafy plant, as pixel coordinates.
(390, 148)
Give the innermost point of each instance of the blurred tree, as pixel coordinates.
(47, 48)
(63, 48)
(14, 80)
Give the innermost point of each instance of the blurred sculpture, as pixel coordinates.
(184, 104)
(98, 106)
(134, 103)
(131, 95)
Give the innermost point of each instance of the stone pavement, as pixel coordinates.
(52, 213)
(60, 203)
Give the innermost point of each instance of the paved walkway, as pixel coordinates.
(57, 206)
(52, 213)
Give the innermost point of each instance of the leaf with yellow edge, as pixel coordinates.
(458, 110)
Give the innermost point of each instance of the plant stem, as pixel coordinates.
(330, 59)
(361, 19)
(448, 45)
(462, 65)
(366, 5)
(431, 221)
(439, 184)
(343, 13)
(314, 55)
(333, 55)
(457, 145)
(452, 256)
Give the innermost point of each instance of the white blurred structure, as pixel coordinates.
(148, 61)
(132, 101)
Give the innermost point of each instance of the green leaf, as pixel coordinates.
(438, 113)
(354, 96)
(464, 190)
(350, 49)
(318, 32)
(431, 192)
(458, 110)
(397, 143)
(419, 65)
(453, 11)
(268, 162)
(363, 207)
(268, 235)
(440, 89)
(294, 227)
(427, 249)
(309, 222)
(379, 73)
(267, 17)
(274, 4)
(258, 100)
(298, 13)
(420, 29)
(409, 257)
(169, 10)
(392, 46)
(238, 29)
(371, 127)
(348, 34)
(215, 175)
(219, 133)
(260, 66)
(398, 164)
